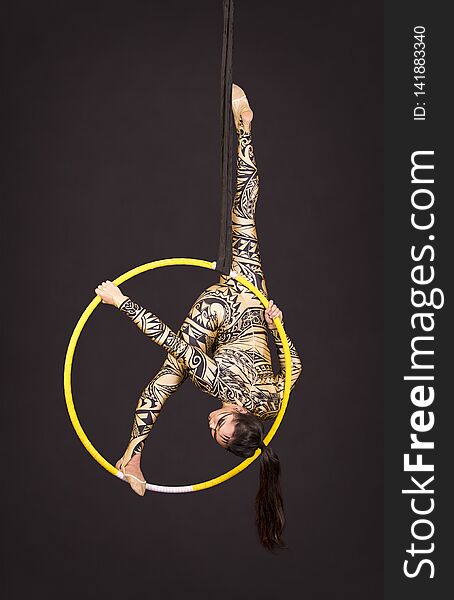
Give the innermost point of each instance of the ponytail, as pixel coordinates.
(269, 506)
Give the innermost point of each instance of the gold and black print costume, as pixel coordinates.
(222, 344)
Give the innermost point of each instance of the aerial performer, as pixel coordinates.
(222, 346)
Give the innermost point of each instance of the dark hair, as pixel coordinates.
(269, 507)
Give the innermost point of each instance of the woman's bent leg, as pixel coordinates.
(166, 381)
(194, 340)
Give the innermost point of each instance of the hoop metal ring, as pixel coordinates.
(168, 262)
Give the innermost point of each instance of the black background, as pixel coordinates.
(111, 124)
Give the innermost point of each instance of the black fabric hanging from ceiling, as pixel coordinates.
(224, 261)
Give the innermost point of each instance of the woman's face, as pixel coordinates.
(222, 423)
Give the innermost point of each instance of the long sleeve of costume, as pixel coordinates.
(201, 368)
(297, 365)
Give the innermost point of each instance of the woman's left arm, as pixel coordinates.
(270, 313)
(297, 365)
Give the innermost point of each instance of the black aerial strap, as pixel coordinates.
(224, 261)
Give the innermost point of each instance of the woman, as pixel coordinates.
(222, 347)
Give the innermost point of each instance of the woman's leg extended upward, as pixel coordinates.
(245, 245)
(245, 260)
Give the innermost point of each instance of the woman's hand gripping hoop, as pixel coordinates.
(70, 357)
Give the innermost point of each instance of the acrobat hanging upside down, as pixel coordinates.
(222, 347)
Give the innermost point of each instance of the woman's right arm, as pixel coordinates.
(296, 363)
(184, 347)
(148, 323)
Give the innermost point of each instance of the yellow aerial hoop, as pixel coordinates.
(168, 262)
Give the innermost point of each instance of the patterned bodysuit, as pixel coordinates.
(222, 344)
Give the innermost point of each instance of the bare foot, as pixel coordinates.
(241, 108)
(133, 474)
